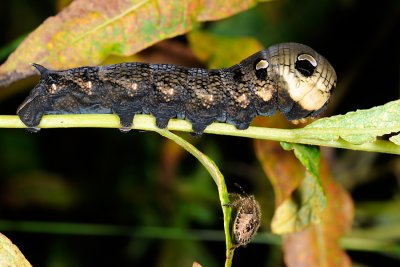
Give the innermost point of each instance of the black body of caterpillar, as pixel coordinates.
(288, 77)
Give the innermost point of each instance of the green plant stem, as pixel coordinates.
(219, 180)
(146, 122)
(371, 245)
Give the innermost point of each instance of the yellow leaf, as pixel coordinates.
(10, 255)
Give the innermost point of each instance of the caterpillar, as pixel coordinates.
(289, 77)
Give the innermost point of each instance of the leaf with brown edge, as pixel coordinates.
(318, 245)
(87, 31)
(302, 209)
(302, 203)
(10, 255)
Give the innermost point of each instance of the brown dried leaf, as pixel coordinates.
(87, 31)
(318, 245)
(300, 198)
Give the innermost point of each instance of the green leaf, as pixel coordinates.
(309, 156)
(359, 127)
(87, 31)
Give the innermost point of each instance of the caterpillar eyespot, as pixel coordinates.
(262, 64)
(289, 77)
(306, 64)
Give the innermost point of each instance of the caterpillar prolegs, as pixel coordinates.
(289, 77)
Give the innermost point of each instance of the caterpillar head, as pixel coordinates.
(301, 79)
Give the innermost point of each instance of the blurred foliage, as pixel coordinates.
(103, 177)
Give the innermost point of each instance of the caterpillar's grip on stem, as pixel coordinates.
(288, 77)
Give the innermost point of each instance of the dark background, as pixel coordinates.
(123, 181)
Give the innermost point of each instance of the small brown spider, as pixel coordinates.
(247, 220)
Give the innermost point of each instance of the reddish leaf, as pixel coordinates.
(300, 198)
(282, 168)
(318, 244)
(87, 31)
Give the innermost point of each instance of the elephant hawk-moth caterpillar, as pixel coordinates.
(288, 77)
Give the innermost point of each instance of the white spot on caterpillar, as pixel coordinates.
(299, 121)
(262, 64)
(207, 99)
(167, 91)
(243, 101)
(309, 58)
(87, 87)
(52, 89)
(132, 89)
(264, 93)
